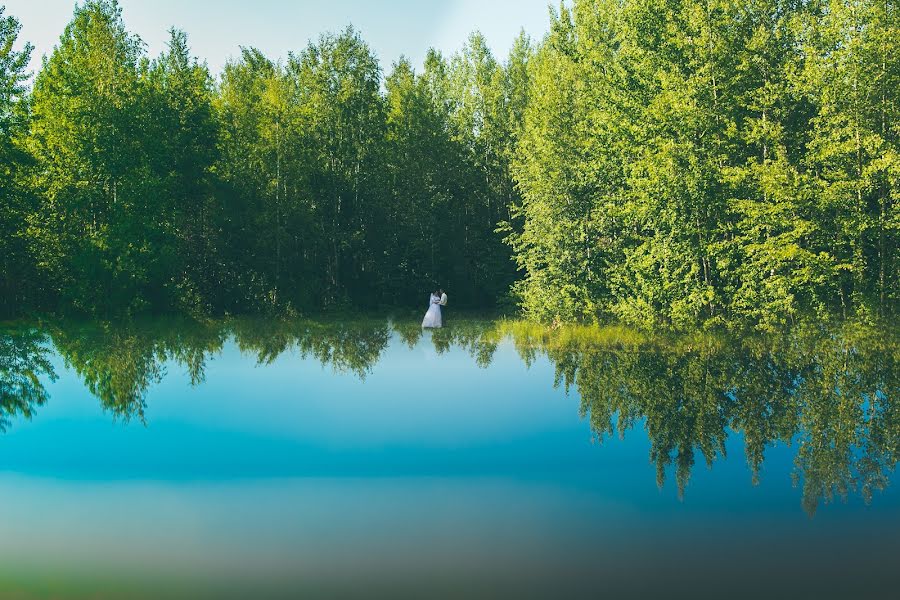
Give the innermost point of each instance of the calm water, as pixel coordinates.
(367, 459)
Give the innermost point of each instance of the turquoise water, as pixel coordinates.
(370, 459)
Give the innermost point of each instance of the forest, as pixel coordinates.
(661, 163)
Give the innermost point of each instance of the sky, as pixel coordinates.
(218, 28)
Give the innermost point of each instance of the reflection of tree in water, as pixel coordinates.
(354, 347)
(850, 421)
(347, 346)
(120, 361)
(832, 392)
(409, 332)
(477, 337)
(24, 361)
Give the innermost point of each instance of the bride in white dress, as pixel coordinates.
(433, 316)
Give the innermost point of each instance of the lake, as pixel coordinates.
(367, 458)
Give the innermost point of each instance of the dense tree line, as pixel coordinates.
(15, 200)
(365, 196)
(661, 162)
(310, 183)
(712, 160)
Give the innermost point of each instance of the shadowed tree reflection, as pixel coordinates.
(849, 423)
(347, 346)
(24, 361)
(478, 338)
(409, 332)
(354, 347)
(119, 362)
(833, 393)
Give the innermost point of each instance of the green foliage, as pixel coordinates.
(687, 162)
(183, 133)
(339, 81)
(124, 151)
(665, 163)
(90, 233)
(451, 136)
(15, 200)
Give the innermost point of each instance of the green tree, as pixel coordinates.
(853, 78)
(428, 167)
(95, 234)
(302, 159)
(16, 275)
(338, 80)
(691, 162)
(483, 123)
(182, 145)
(570, 170)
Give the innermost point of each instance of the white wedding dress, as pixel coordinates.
(433, 316)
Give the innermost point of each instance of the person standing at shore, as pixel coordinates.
(432, 318)
(443, 305)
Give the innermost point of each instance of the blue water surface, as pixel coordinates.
(423, 473)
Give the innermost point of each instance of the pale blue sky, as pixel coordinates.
(218, 27)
